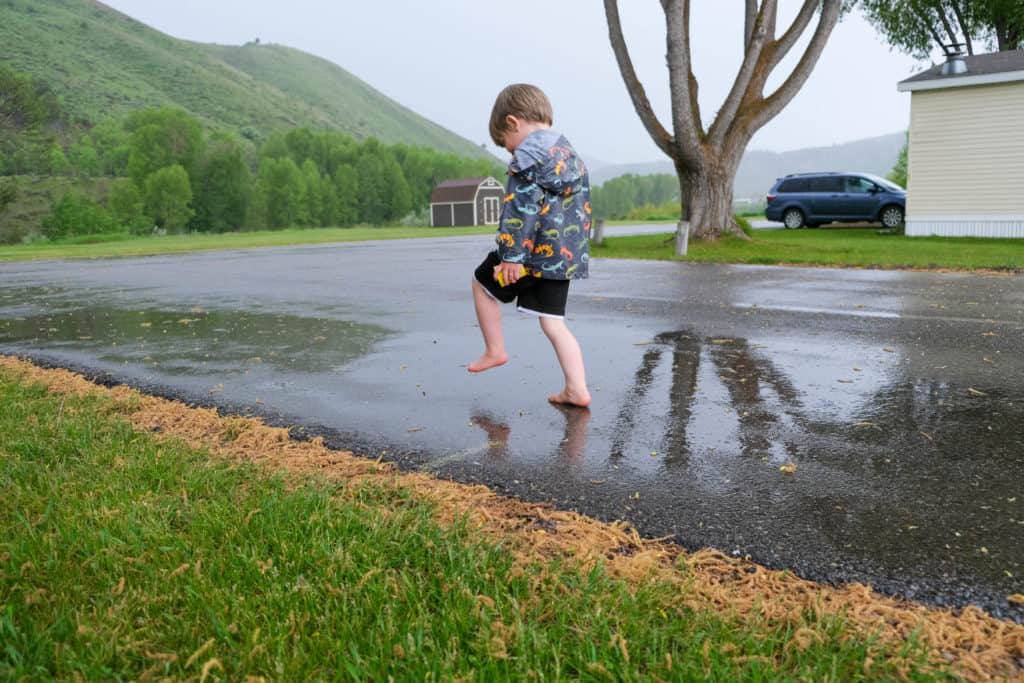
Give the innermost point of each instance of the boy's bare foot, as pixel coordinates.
(488, 361)
(580, 399)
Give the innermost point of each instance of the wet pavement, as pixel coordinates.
(844, 424)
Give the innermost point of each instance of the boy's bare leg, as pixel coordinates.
(488, 314)
(570, 357)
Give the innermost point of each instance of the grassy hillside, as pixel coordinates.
(101, 62)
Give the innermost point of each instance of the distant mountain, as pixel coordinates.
(101, 62)
(759, 169)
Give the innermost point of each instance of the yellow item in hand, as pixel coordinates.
(501, 279)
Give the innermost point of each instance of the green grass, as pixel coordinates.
(124, 558)
(830, 247)
(113, 246)
(103, 63)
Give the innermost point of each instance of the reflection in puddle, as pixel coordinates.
(884, 463)
(572, 445)
(197, 342)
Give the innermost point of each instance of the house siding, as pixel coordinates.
(966, 161)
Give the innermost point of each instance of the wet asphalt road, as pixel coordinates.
(897, 396)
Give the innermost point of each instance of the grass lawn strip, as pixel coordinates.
(576, 597)
(846, 247)
(94, 246)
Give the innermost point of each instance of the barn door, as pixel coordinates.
(490, 210)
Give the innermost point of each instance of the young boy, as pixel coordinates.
(542, 236)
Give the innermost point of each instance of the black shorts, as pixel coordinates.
(536, 295)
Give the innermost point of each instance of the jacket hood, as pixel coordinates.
(553, 158)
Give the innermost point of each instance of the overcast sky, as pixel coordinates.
(446, 60)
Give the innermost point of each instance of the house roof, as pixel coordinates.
(461, 190)
(997, 67)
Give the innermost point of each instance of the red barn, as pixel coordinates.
(469, 201)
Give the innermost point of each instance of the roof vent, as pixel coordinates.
(955, 63)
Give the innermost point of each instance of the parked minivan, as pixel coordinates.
(811, 199)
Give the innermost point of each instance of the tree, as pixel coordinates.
(346, 183)
(314, 204)
(85, 160)
(127, 208)
(898, 174)
(162, 138)
(917, 27)
(113, 144)
(706, 159)
(168, 197)
(56, 161)
(75, 214)
(281, 193)
(225, 185)
(8, 193)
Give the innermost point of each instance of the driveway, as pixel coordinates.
(845, 424)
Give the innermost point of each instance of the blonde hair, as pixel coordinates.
(522, 100)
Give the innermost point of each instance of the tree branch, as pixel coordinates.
(964, 26)
(641, 103)
(770, 106)
(929, 25)
(741, 86)
(748, 25)
(788, 39)
(953, 37)
(684, 114)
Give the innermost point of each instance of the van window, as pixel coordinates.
(858, 185)
(828, 183)
(794, 185)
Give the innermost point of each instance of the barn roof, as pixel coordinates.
(997, 67)
(461, 190)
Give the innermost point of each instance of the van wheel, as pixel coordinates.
(892, 216)
(793, 219)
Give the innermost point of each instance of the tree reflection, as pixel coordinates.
(750, 379)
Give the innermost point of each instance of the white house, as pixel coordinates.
(966, 149)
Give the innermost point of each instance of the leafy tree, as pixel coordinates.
(917, 27)
(76, 214)
(397, 196)
(29, 111)
(706, 158)
(113, 144)
(328, 202)
(346, 184)
(84, 158)
(314, 204)
(898, 174)
(127, 207)
(281, 193)
(56, 161)
(25, 102)
(168, 198)
(225, 185)
(276, 147)
(162, 138)
(8, 193)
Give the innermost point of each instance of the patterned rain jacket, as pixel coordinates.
(545, 221)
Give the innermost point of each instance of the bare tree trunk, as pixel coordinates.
(707, 198)
(706, 159)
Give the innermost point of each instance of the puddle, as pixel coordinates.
(197, 342)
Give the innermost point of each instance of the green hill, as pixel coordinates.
(101, 62)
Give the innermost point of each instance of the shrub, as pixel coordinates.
(168, 197)
(75, 214)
